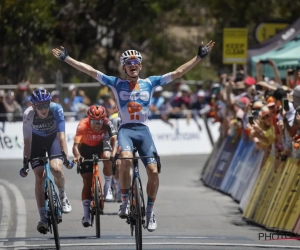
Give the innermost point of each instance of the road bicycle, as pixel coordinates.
(52, 201)
(137, 209)
(97, 197)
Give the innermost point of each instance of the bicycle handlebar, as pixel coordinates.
(45, 158)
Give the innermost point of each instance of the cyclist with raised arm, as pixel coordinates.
(44, 128)
(133, 97)
(90, 139)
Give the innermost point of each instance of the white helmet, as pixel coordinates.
(130, 54)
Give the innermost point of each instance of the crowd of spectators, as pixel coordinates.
(177, 102)
(265, 111)
(242, 104)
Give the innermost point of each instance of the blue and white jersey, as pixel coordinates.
(133, 100)
(53, 123)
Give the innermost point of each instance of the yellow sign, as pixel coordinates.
(235, 45)
(264, 31)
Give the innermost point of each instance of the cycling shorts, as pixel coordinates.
(137, 135)
(38, 145)
(87, 152)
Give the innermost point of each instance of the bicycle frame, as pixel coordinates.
(49, 177)
(96, 173)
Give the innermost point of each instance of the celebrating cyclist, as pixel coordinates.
(90, 139)
(133, 97)
(44, 128)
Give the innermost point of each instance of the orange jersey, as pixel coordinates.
(85, 134)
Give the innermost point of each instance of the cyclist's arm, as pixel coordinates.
(83, 67)
(183, 69)
(76, 152)
(27, 132)
(112, 132)
(63, 142)
(60, 126)
(113, 142)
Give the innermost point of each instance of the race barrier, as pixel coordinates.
(182, 139)
(267, 189)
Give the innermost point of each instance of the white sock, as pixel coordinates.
(86, 208)
(117, 185)
(62, 193)
(108, 180)
(42, 211)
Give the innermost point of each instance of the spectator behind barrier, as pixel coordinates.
(55, 96)
(262, 131)
(26, 103)
(77, 102)
(200, 107)
(156, 102)
(3, 106)
(166, 108)
(13, 109)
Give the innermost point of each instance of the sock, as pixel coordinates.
(86, 208)
(62, 193)
(107, 185)
(150, 204)
(125, 197)
(117, 185)
(42, 211)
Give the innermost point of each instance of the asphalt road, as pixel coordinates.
(189, 215)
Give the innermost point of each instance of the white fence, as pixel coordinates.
(183, 139)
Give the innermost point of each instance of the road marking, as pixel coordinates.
(164, 243)
(5, 213)
(21, 212)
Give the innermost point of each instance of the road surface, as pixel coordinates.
(189, 215)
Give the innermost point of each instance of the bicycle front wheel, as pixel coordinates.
(52, 213)
(138, 215)
(97, 206)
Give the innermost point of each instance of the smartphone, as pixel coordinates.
(250, 118)
(264, 61)
(285, 104)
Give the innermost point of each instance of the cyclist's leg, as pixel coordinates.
(146, 147)
(86, 172)
(126, 144)
(59, 178)
(38, 169)
(107, 169)
(117, 184)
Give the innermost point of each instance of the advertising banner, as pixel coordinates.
(181, 139)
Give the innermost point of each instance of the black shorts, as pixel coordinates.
(87, 152)
(38, 145)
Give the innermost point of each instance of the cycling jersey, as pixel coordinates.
(85, 134)
(43, 132)
(133, 100)
(53, 123)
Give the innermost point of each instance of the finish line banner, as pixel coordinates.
(181, 139)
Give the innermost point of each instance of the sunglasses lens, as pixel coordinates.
(43, 106)
(96, 122)
(130, 62)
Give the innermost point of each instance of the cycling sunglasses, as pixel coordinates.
(134, 62)
(96, 122)
(43, 106)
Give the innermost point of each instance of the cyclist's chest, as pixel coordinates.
(129, 92)
(47, 124)
(91, 135)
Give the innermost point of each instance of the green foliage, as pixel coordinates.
(98, 31)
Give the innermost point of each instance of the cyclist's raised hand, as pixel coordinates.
(60, 54)
(203, 51)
